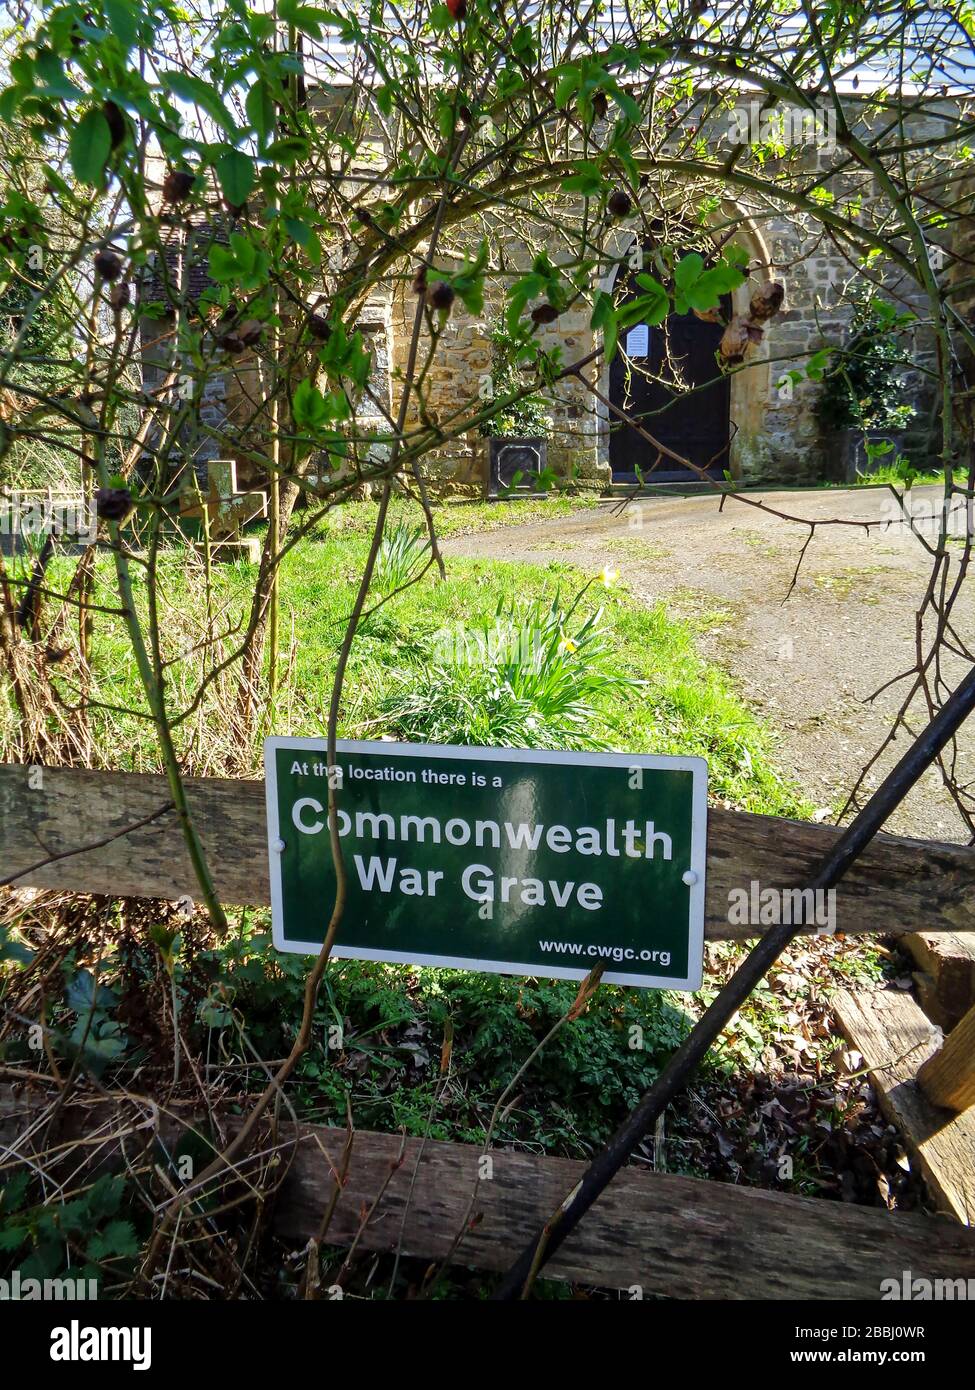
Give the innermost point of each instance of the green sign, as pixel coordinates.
(494, 859)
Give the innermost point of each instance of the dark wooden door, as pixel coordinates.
(695, 424)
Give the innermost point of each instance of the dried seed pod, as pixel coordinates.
(250, 332)
(618, 203)
(113, 503)
(177, 185)
(440, 295)
(420, 281)
(115, 121)
(120, 295)
(734, 341)
(766, 301)
(108, 265)
(600, 105)
(466, 115)
(545, 313)
(319, 327)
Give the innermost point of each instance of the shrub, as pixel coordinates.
(529, 679)
(861, 390)
(527, 418)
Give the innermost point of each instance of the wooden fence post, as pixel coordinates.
(948, 1078)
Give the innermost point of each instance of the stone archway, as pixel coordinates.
(747, 388)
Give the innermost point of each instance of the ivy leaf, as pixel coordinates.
(83, 995)
(89, 148)
(235, 171)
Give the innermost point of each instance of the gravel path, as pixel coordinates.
(806, 661)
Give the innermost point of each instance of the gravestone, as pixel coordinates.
(224, 511)
(28, 517)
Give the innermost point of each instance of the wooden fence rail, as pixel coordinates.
(896, 886)
(681, 1237)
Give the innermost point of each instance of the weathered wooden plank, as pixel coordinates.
(683, 1237)
(947, 1078)
(676, 1236)
(894, 1038)
(897, 886)
(947, 959)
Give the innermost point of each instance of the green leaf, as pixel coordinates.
(197, 92)
(303, 17)
(688, 270)
(235, 171)
(308, 406)
(707, 291)
(241, 263)
(259, 109)
(83, 994)
(587, 180)
(13, 1192)
(105, 1195)
(89, 148)
(654, 302)
(13, 1237)
(121, 16)
(627, 105)
(604, 317)
(117, 1238)
(567, 84)
(13, 950)
(58, 84)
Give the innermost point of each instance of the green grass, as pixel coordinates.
(460, 518)
(681, 704)
(887, 474)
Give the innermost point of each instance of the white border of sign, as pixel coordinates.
(699, 814)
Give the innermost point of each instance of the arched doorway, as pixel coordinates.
(667, 379)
